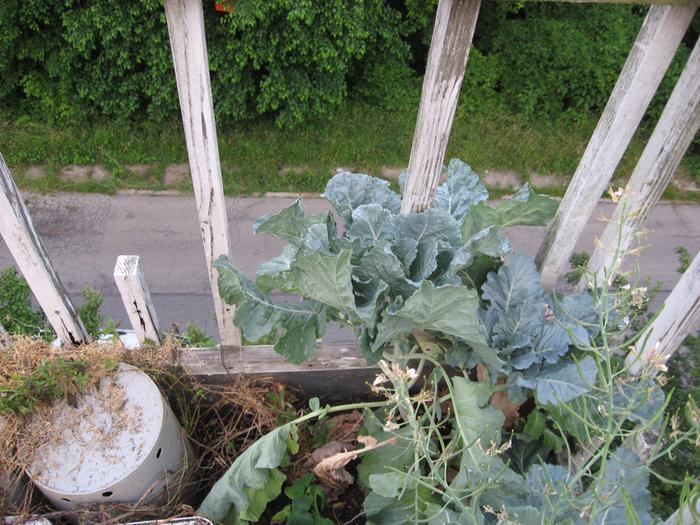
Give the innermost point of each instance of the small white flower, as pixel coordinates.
(389, 426)
(380, 380)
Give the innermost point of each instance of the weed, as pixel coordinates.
(89, 312)
(51, 380)
(16, 312)
(307, 499)
(578, 263)
(683, 259)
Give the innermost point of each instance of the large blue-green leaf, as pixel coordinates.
(426, 261)
(564, 381)
(478, 426)
(518, 326)
(475, 417)
(489, 241)
(289, 224)
(348, 191)
(391, 457)
(300, 323)
(462, 189)
(368, 298)
(450, 310)
(625, 475)
(252, 481)
(405, 250)
(551, 344)
(525, 208)
(576, 313)
(513, 284)
(326, 278)
(371, 223)
(380, 264)
(427, 226)
(276, 273)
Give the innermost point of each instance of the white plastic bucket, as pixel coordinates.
(121, 443)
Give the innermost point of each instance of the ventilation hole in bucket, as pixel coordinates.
(107, 494)
(159, 452)
(66, 499)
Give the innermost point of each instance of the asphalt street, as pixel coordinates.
(84, 234)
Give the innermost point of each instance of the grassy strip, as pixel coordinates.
(254, 155)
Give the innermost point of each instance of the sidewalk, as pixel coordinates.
(84, 234)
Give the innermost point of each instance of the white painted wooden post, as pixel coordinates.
(32, 260)
(136, 298)
(189, 49)
(679, 316)
(689, 514)
(673, 134)
(449, 50)
(646, 64)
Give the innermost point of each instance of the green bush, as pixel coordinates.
(299, 60)
(65, 59)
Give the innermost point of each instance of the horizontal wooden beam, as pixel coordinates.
(337, 371)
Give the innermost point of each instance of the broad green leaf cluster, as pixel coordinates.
(525, 414)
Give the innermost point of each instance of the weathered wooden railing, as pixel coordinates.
(659, 37)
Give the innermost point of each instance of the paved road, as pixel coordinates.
(84, 234)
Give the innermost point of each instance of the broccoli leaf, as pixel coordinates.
(301, 323)
(348, 191)
(526, 208)
(326, 278)
(371, 223)
(290, 224)
(450, 310)
(462, 189)
(252, 481)
(513, 284)
(564, 381)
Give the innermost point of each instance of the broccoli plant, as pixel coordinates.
(525, 413)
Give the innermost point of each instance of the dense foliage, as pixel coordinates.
(527, 415)
(297, 61)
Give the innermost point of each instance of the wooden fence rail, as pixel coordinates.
(32, 260)
(136, 298)
(654, 48)
(449, 49)
(655, 169)
(189, 49)
(641, 75)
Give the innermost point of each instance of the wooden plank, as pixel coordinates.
(653, 50)
(32, 260)
(336, 372)
(449, 50)
(136, 298)
(679, 316)
(189, 49)
(663, 153)
(5, 339)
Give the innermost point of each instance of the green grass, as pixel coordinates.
(360, 136)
